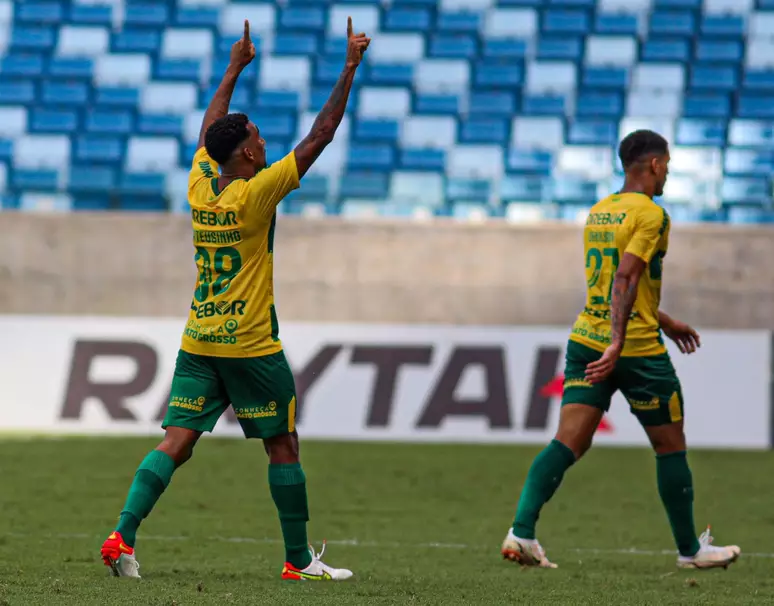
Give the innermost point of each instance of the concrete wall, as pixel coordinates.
(441, 272)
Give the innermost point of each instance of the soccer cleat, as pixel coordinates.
(527, 552)
(119, 557)
(710, 556)
(316, 571)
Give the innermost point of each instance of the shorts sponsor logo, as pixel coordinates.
(196, 404)
(651, 404)
(257, 412)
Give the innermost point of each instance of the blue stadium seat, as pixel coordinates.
(719, 51)
(160, 124)
(39, 180)
(708, 77)
(741, 190)
(706, 105)
(278, 100)
(53, 121)
(755, 106)
(422, 159)
(616, 24)
(505, 48)
(503, 75)
(593, 132)
(392, 75)
(560, 48)
(91, 14)
(377, 130)
(556, 21)
(91, 149)
(723, 25)
(437, 104)
(70, 68)
(407, 20)
(492, 104)
(751, 133)
(146, 14)
(459, 22)
(37, 13)
(186, 70)
(120, 97)
(27, 65)
(453, 46)
(666, 49)
(33, 39)
(136, 41)
(748, 162)
(306, 18)
(533, 162)
(17, 92)
(600, 104)
(605, 77)
(524, 188)
(109, 122)
(543, 105)
(62, 93)
(744, 215)
(371, 157)
(484, 130)
(468, 190)
(672, 23)
(86, 179)
(759, 80)
(364, 185)
(701, 132)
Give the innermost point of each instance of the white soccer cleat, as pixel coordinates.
(316, 571)
(119, 557)
(710, 556)
(527, 552)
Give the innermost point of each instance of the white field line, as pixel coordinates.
(356, 543)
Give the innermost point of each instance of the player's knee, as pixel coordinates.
(179, 443)
(282, 449)
(667, 439)
(578, 443)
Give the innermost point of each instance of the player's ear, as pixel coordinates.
(248, 154)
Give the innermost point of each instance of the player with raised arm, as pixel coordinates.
(616, 344)
(230, 352)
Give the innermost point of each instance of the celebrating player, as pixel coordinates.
(231, 353)
(616, 344)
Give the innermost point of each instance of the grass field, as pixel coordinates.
(419, 524)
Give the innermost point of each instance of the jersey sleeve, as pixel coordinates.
(650, 226)
(203, 169)
(268, 187)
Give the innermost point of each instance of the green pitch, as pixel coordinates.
(419, 524)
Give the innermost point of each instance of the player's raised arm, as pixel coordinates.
(242, 53)
(329, 118)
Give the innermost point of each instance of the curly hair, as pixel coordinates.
(640, 143)
(224, 136)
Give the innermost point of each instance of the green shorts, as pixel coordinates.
(261, 391)
(648, 383)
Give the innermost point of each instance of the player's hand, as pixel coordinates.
(356, 45)
(243, 51)
(686, 338)
(598, 371)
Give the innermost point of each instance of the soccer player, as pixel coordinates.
(230, 352)
(616, 344)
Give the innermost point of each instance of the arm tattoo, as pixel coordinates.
(326, 123)
(221, 100)
(624, 295)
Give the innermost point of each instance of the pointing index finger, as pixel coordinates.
(349, 27)
(247, 30)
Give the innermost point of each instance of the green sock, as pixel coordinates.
(152, 477)
(288, 489)
(543, 479)
(675, 485)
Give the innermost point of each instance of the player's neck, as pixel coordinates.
(635, 186)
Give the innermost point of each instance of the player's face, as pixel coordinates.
(255, 149)
(661, 170)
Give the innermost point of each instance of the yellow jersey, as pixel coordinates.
(232, 313)
(623, 223)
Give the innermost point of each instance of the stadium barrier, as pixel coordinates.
(333, 270)
(93, 375)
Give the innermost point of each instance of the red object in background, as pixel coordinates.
(555, 388)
